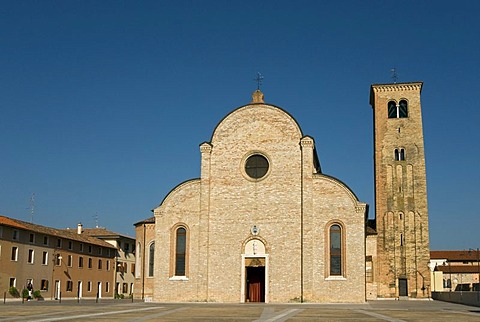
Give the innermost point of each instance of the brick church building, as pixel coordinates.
(264, 224)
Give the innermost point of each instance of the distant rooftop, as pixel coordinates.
(60, 233)
(102, 232)
(455, 255)
(150, 220)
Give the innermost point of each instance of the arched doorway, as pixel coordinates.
(254, 272)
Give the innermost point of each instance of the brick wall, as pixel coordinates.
(220, 209)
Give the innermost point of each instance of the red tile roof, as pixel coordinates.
(150, 220)
(446, 269)
(103, 232)
(455, 255)
(63, 233)
(10, 222)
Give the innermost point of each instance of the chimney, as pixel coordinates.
(79, 228)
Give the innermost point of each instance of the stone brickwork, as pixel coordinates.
(144, 235)
(284, 217)
(371, 266)
(400, 193)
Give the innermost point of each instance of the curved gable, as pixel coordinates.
(253, 118)
(187, 192)
(339, 185)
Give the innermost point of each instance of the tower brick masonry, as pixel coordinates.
(401, 210)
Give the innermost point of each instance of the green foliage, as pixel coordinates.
(13, 291)
(119, 296)
(37, 294)
(25, 293)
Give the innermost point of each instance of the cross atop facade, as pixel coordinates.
(258, 79)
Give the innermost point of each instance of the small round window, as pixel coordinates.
(256, 166)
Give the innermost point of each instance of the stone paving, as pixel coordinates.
(123, 310)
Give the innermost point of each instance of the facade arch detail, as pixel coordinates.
(338, 183)
(184, 185)
(254, 245)
(236, 112)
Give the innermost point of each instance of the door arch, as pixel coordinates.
(254, 268)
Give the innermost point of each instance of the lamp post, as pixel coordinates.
(450, 276)
(56, 259)
(423, 282)
(432, 267)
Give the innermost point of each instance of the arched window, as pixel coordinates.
(151, 259)
(403, 109)
(180, 251)
(399, 154)
(336, 255)
(397, 111)
(392, 110)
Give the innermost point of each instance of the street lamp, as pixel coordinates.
(450, 277)
(57, 258)
(423, 282)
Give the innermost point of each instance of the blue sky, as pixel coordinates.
(104, 103)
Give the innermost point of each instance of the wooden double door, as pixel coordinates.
(255, 284)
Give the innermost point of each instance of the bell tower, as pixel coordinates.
(401, 211)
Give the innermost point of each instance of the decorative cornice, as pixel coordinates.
(397, 87)
(306, 141)
(205, 147)
(360, 208)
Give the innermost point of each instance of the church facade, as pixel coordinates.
(261, 224)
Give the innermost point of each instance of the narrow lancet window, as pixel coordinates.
(335, 250)
(180, 251)
(151, 259)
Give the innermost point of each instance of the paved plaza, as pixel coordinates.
(123, 310)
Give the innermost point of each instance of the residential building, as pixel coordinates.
(124, 258)
(59, 263)
(455, 270)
